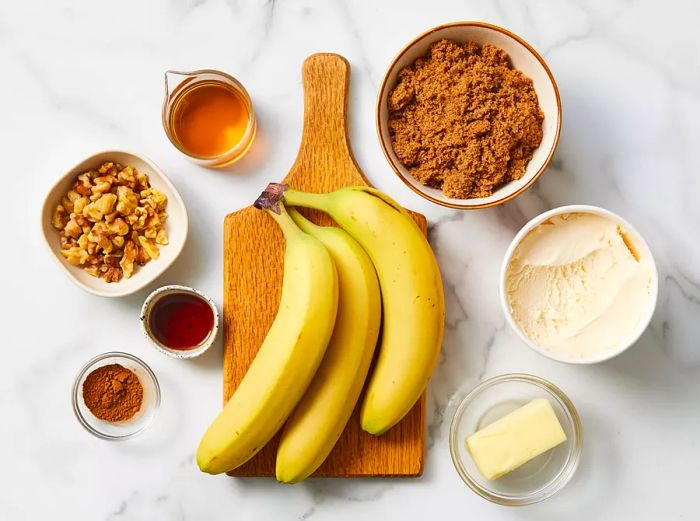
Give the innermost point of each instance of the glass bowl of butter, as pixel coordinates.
(516, 439)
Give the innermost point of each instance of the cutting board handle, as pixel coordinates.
(326, 79)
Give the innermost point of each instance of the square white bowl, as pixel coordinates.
(176, 225)
(525, 59)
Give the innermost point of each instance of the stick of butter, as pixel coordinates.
(515, 439)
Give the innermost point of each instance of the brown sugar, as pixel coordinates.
(113, 393)
(463, 120)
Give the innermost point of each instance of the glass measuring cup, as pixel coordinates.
(179, 87)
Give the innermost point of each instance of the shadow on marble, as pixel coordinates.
(594, 479)
(645, 364)
(320, 490)
(554, 188)
(188, 267)
(211, 360)
(168, 423)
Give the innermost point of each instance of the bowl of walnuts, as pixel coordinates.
(114, 222)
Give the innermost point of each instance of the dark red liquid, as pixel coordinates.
(181, 321)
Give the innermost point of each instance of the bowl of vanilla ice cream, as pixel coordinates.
(578, 284)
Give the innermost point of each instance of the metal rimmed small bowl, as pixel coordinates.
(118, 430)
(524, 58)
(537, 479)
(148, 307)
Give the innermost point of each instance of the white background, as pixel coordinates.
(79, 77)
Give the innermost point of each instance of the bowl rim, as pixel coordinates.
(46, 210)
(385, 146)
(577, 208)
(564, 475)
(146, 309)
(76, 393)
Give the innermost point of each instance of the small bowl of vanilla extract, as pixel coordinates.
(180, 321)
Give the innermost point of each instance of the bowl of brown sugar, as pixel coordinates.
(115, 396)
(468, 115)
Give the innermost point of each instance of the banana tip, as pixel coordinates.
(288, 480)
(205, 464)
(371, 421)
(374, 429)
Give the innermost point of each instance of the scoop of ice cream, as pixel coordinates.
(577, 286)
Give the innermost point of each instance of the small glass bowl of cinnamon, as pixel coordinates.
(115, 396)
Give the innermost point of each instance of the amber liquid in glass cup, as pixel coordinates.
(208, 116)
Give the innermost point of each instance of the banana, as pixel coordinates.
(318, 421)
(413, 305)
(287, 359)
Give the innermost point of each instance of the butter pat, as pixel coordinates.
(515, 439)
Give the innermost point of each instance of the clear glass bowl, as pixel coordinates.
(118, 430)
(174, 89)
(539, 478)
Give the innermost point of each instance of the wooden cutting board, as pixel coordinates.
(253, 251)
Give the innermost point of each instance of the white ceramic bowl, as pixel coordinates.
(176, 226)
(525, 59)
(644, 252)
(178, 353)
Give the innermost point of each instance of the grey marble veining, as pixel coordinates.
(82, 76)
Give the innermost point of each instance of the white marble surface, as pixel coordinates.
(81, 76)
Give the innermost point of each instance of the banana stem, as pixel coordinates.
(305, 199)
(284, 221)
(272, 198)
(302, 222)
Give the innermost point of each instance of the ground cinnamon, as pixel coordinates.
(113, 393)
(462, 119)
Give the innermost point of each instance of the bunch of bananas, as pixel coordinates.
(339, 284)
